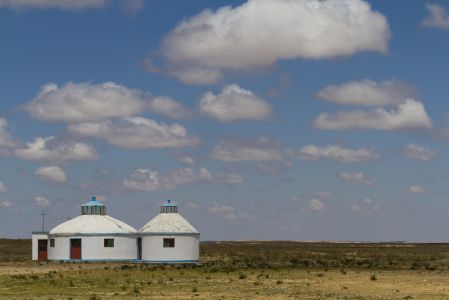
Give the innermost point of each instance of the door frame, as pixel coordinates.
(39, 242)
(81, 248)
(139, 248)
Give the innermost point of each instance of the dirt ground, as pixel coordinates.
(114, 281)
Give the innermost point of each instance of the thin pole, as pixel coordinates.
(43, 214)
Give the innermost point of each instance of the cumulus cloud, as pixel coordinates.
(3, 187)
(184, 158)
(52, 173)
(415, 189)
(316, 204)
(417, 152)
(150, 180)
(234, 103)
(7, 142)
(56, 150)
(437, 17)
(408, 115)
(41, 201)
(136, 133)
(258, 33)
(7, 203)
(368, 93)
(84, 102)
(227, 210)
(167, 107)
(357, 177)
(233, 150)
(338, 153)
(58, 4)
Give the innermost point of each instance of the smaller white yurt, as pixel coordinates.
(169, 238)
(93, 236)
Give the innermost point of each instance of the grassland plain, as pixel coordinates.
(241, 270)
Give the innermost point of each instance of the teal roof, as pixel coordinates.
(93, 202)
(169, 203)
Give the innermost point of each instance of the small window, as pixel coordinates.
(109, 243)
(169, 243)
(52, 243)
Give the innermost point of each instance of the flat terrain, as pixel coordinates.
(243, 270)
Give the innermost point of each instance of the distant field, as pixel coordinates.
(233, 270)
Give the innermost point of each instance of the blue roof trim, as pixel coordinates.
(171, 261)
(131, 234)
(93, 202)
(96, 260)
(169, 233)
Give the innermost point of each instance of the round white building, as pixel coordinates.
(93, 236)
(169, 238)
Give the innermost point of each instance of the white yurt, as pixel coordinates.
(93, 236)
(169, 238)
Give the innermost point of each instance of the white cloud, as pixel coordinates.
(415, 189)
(85, 102)
(56, 150)
(408, 115)
(338, 153)
(247, 150)
(52, 173)
(368, 93)
(230, 178)
(322, 194)
(3, 187)
(437, 18)
(227, 210)
(357, 177)
(316, 204)
(7, 143)
(58, 4)
(150, 180)
(417, 152)
(258, 33)
(184, 158)
(146, 180)
(136, 133)
(7, 203)
(167, 107)
(41, 201)
(234, 103)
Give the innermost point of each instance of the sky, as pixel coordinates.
(262, 119)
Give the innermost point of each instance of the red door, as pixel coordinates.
(42, 249)
(75, 248)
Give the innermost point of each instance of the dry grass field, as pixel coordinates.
(242, 270)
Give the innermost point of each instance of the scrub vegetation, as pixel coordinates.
(231, 270)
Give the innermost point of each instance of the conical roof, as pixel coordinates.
(92, 224)
(93, 220)
(168, 221)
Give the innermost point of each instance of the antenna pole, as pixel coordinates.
(43, 214)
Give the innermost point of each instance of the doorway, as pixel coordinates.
(42, 249)
(75, 248)
(139, 248)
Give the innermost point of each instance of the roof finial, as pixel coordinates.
(94, 198)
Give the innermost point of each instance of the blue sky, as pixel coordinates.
(302, 120)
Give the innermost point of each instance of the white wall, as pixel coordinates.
(187, 248)
(92, 248)
(34, 238)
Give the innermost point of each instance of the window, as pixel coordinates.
(52, 243)
(169, 243)
(109, 242)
